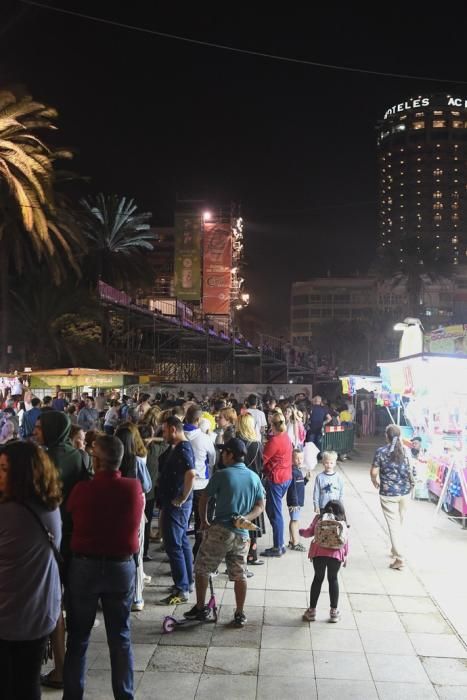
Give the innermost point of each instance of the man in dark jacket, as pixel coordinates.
(175, 491)
(52, 431)
(30, 417)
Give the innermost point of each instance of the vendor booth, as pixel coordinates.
(432, 389)
(76, 380)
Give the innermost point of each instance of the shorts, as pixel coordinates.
(295, 514)
(218, 542)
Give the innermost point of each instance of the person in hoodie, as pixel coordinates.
(205, 458)
(52, 432)
(175, 491)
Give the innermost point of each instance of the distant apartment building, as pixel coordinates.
(345, 299)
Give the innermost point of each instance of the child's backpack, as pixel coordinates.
(330, 533)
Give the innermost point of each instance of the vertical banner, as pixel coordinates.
(217, 268)
(187, 280)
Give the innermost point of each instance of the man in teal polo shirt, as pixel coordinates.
(237, 491)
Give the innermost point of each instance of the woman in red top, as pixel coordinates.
(277, 470)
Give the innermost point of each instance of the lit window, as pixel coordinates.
(455, 114)
(437, 194)
(455, 205)
(418, 125)
(419, 114)
(437, 172)
(457, 124)
(438, 205)
(437, 217)
(438, 112)
(455, 217)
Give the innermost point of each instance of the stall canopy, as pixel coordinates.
(80, 377)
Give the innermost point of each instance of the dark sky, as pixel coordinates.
(155, 118)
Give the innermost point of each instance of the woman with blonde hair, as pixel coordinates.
(246, 431)
(30, 590)
(227, 424)
(277, 470)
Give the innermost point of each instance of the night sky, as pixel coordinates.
(158, 119)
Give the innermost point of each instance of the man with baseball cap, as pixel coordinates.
(239, 498)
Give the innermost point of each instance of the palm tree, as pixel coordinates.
(30, 225)
(413, 263)
(118, 238)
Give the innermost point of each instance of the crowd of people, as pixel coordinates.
(81, 482)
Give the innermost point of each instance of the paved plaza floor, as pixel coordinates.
(403, 634)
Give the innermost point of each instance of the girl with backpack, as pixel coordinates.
(328, 550)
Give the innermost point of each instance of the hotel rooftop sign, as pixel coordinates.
(433, 101)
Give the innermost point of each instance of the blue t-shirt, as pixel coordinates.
(394, 478)
(328, 487)
(236, 490)
(30, 590)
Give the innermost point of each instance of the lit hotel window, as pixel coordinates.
(438, 205)
(418, 125)
(437, 217)
(437, 194)
(455, 114)
(437, 172)
(457, 124)
(438, 112)
(455, 205)
(419, 114)
(455, 217)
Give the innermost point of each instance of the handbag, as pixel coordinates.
(143, 475)
(51, 539)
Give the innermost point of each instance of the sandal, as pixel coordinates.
(297, 547)
(256, 562)
(48, 682)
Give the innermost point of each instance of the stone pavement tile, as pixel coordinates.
(428, 623)
(280, 662)
(452, 692)
(440, 645)
(228, 636)
(400, 583)
(413, 604)
(331, 638)
(362, 581)
(369, 603)
(256, 582)
(253, 597)
(288, 617)
(379, 621)
(254, 614)
(280, 637)
(178, 659)
(346, 622)
(340, 665)
(329, 689)
(286, 583)
(99, 685)
(196, 636)
(446, 671)
(406, 691)
(230, 688)
(387, 642)
(176, 686)
(145, 631)
(231, 661)
(141, 655)
(280, 687)
(285, 599)
(387, 667)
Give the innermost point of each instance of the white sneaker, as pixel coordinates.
(137, 606)
(334, 615)
(147, 578)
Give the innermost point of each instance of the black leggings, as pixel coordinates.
(20, 668)
(320, 564)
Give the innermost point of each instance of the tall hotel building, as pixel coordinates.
(422, 150)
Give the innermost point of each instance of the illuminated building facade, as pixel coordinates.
(422, 152)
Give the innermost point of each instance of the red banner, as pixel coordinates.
(217, 268)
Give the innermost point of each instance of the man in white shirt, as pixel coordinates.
(205, 458)
(258, 416)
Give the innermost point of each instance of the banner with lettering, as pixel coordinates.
(187, 278)
(217, 268)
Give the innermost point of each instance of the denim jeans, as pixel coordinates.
(274, 495)
(113, 582)
(177, 545)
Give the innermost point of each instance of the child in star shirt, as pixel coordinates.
(329, 485)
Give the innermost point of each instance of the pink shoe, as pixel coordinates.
(309, 615)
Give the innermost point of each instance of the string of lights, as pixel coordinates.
(236, 49)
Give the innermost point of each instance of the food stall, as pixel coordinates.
(77, 379)
(432, 388)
